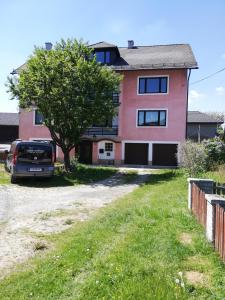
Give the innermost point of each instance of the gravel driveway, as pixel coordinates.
(25, 211)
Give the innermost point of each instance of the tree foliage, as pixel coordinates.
(69, 87)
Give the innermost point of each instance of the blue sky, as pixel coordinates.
(25, 23)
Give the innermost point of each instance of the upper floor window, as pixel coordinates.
(152, 118)
(152, 85)
(38, 118)
(103, 57)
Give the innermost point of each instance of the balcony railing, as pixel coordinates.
(96, 131)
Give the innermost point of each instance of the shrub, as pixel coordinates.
(193, 158)
(215, 149)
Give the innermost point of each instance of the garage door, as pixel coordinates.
(164, 154)
(136, 154)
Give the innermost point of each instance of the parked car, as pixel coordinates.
(30, 159)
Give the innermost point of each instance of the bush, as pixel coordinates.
(193, 158)
(215, 149)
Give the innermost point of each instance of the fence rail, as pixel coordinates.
(219, 188)
(102, 131)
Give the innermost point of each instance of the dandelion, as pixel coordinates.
(177, 281)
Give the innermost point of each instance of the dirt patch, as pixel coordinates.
(186, 238)
(195, 278)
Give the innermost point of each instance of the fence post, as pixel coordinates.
(206, 185)
(212, 201)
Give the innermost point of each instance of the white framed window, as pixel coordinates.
(153, 85)
(152, 118)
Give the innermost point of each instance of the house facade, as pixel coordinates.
(150, 123)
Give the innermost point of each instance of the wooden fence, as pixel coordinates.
(220, 231)
(199, 209)
(199, 204)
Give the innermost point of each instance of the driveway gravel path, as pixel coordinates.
(28, 211)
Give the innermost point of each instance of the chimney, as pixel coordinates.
(130, 44)
(48, 46)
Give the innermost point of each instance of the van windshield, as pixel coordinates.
(34, 153)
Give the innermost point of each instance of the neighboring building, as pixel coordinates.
(151, 121)
(201, 126)
(9, 127)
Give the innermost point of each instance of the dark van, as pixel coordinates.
(30, 159)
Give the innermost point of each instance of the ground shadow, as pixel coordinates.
(165, 176)
(80, 175)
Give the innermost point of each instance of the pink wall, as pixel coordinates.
(174, 101)
(28, 130)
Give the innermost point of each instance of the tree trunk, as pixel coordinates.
(67, 165)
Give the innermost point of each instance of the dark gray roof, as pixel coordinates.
(9, 119)
(174, 56)
(102, 45)
(157, 57)
(199, 117)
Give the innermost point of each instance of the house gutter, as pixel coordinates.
(188, 81)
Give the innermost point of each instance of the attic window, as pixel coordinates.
(103, 57)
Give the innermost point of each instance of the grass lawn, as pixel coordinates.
(4, 176)
(83, 174)
(133, 249)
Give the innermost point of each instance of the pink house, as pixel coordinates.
(151, 121)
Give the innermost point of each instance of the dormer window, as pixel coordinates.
(103, 57)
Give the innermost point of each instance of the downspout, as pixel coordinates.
(188, 79)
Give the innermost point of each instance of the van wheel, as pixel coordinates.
(13, 179)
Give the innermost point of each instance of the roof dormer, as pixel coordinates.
(106, 53)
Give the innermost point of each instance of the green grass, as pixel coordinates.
(131, 250)
(4, 176)
(81, 175)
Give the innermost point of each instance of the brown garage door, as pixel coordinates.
(164, 154)
(136, 154)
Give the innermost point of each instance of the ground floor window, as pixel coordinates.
(108, 147)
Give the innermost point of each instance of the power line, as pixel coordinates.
(204, 78)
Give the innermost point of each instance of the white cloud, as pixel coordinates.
(220, 90)
(195, 96)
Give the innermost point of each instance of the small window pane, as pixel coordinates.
(141, 121)
(152, 118)
(108, 147)
(141, 85)
(107, 57)
(39, 119)
(100, 57)
(164, 85)
(162, 120)
(153, 85)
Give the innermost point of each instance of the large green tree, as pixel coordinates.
(69, 87)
